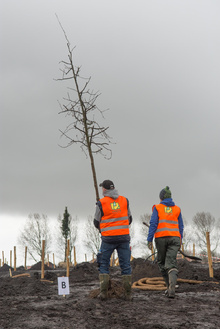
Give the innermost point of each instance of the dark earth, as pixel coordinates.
(28, 302)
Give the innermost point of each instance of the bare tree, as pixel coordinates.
(35, 230)
(65, 231)
(81, 106)
(92, 240)
(205, 222)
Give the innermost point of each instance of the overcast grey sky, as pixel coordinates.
(156, 64)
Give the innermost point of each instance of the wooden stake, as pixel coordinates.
(44, 280)
(209, 255)
(48, 263)
(42, 259)
(194, 250)
(11, 258)
(25, 258)
(53, 261)
(68, 259)
(15, 259)
(74, 251)
(85, 258)
(0, 263)
(3, 258)
(19, 275)
(64, 295)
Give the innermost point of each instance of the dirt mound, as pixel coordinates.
(5, 268)
(37, 267)
(142, 268)
(84, 272)
(187, 270)
(48, 275)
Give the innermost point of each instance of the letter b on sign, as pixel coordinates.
(63, 286)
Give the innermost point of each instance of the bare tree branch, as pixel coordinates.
(82, 108)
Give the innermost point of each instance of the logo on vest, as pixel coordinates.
(168, 210)
(115, 206)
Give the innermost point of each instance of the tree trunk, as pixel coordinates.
(94, 174)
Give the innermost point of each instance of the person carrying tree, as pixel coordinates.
(112, 218)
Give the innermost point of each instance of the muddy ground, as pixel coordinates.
(27, 302)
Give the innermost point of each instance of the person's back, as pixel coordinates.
(168, 214)
(114, 223)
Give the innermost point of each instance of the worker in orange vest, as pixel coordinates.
(166, 225)
(112, 218)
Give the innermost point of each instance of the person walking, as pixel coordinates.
(166, 225)
(112, 218)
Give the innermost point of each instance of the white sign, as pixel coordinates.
(63, 286)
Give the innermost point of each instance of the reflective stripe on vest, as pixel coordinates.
(115, 219)
(168, 221)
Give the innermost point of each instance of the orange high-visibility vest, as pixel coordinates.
(115, 219)
(168, 221)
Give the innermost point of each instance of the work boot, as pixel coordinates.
(104, 282)
(166, 279)
(172, 282)
(127, 287)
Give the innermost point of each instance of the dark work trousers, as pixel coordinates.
(167, 249)
(124, 255)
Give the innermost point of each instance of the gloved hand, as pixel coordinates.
(150, 245)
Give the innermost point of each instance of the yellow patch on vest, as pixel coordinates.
(115, 206)
(168, 210)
